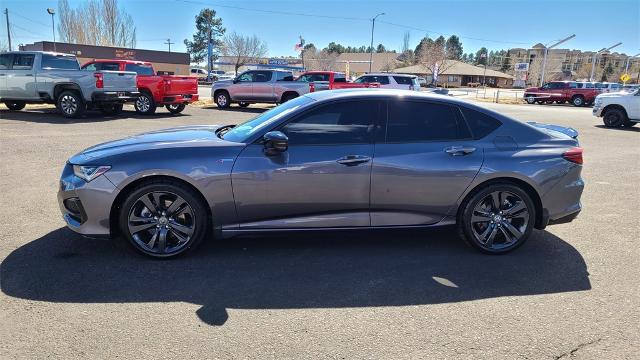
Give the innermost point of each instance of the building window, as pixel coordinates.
(452, 78)
(575, 67)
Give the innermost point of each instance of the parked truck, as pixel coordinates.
(258, 86)
(172, 91)
(577, 93)
(618, 109)
(48, 77)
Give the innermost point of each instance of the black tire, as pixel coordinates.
(495, 225)
(614, 118)
(629, 123)
(111, 109)
(577, 100)
(175, 108)
(70, 104)
(530, 99)
(243, 104)
(160, 220)
(15, 105)
(222, 99)
(144, 104)
(287, 97)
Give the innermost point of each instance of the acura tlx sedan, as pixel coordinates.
(346, 159)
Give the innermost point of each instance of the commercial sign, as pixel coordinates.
(278, 62)
(522, 67)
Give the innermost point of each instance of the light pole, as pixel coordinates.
(626, 67)
(373, 26)
(595, 55)
(53, 26)
(546, 51)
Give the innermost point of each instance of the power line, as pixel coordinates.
(28, 19)
(27, 30)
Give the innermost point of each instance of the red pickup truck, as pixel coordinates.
(172, 91)
(578, 93)
(330, 80)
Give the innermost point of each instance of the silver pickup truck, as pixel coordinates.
(258, 86)
(55, 78)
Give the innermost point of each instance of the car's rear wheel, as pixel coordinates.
(163, 219)
(243, 104)
(71, 104)
(614, 118)
(15, 105)
(175, 108)
(223, 100)
(577, 101)
(144, 104)
(287, 97)
(630, 123)
(530, 99)
(497, 219)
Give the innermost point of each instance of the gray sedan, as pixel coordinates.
(346, 159)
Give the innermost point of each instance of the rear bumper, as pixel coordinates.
(115, 96)
(562, 202)
(179, 99)
(566, 218)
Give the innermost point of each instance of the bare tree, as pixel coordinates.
(243, 49)
(433, 55)
(96, 22)
(320, 60)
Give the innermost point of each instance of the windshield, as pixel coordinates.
(243, 131)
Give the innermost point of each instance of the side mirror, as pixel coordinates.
(235, 81)
(275, 142)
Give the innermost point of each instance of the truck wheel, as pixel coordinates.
(111, 109)
(144, 104)
(175, 108)
(243, 104)
(70, 104)
(530, 99)
(614, 118)
(15, 105)
(223, 100)
(577, 101)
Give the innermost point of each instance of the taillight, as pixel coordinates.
(99, 80)
(574, 155)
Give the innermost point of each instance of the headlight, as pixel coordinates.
(89, 172)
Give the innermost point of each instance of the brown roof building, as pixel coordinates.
(168, 62)
(458, 73)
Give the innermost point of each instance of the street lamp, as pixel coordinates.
(546, 51)
(53, 26)
(595, 55)
(373, 25)
(626, 68)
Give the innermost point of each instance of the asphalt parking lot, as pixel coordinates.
(572, 291)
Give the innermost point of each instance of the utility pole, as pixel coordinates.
(595, 55)
(168, 42)
(373, 26)
(546, 52)
(6, 12)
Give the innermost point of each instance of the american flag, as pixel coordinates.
(299, 46)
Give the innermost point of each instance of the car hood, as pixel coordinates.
(186, 136)
(614, 94)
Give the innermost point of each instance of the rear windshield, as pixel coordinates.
(140, 69)
(313, 77)
(59, 62)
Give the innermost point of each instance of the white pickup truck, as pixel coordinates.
(55, 78)
(618, 109)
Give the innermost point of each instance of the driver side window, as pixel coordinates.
(246, 77)
(349, 122)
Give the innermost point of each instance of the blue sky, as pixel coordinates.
(495, 24)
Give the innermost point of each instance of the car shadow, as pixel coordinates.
(52, 116)
(364, 269)
(625, 128)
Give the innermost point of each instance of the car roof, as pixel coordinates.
(38, 52)
(388, 74)
(382, 93)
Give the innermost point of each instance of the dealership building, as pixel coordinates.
(164, 62)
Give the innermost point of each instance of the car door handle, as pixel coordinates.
(351, 160)
(459, 150)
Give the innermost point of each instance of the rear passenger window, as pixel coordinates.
(22, 61)
(59, 62)
(403, 80)
(422, 121)
(481, 125)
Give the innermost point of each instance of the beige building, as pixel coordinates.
(457, 73)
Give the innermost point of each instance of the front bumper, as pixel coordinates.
(180, 99)
(597, 110)
(86, 206)
(115, 96)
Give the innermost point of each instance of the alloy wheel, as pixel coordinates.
(161, 222)
(500, 220)
(143, 103)
(222, 100)
(69, 104)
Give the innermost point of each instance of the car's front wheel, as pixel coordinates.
(15, 105)
(223, 100)
(614, 118)
(497, 219)
(163, 219)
